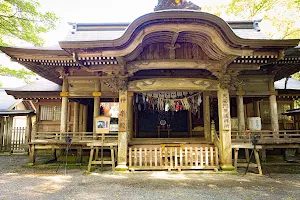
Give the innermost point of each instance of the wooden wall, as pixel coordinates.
(50, 125)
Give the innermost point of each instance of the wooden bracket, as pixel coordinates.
(96, 94)
(64, 94)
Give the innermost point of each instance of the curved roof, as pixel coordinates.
(175, 17)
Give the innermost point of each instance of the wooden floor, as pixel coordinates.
(194, 140)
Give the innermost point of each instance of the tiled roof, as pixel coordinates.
(93, 35)
(111, 31)
(40, 85)
(250, 34)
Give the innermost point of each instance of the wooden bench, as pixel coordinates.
(247, 146)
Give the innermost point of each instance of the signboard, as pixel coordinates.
(102, 124)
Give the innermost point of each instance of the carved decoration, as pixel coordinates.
(172, 48)
(173, 84)
(116, 84)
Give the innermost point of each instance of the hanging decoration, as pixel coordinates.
(168, 101)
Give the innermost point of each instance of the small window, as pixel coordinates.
(50, 113)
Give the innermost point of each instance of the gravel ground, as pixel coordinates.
(19, 182)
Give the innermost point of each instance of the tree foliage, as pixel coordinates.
(281, 16)
(22, 20)
(21, 74)
(253, 8)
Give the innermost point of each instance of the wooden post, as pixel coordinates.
(123, 131)
(64, 106)
(206, 116)
(84, 118)
(28, 131)
(9, 133)
(81, 117)
(225, 128)
(76, 117)
(273, 113)
(96, 95)
(1, 133)
(130, 115)
(240, 110)
(273, 108)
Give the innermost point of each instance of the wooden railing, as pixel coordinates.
(80, 137)
(268, 137)
(171, 157)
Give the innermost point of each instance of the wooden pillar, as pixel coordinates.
(123, 131)
(256, 109)
(76, 117)
(240, 110)
(225, 128)
(28, 130)
(84, 118)
(273, 112)
(206, 115)
(130, 115)
(1, 132)
(96, 95)
(9, 133)
(64, 106)
(273, 107)
(80, 117)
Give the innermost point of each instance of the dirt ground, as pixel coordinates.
(40, 182)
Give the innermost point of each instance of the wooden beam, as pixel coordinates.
(243, 66)
(173, 64)
(173, 84)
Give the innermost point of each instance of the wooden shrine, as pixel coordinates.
(140, 66)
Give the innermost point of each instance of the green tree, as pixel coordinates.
(22, 20)
(281, 16)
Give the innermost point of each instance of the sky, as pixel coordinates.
(101, 11)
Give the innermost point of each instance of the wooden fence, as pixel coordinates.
(14, 140)
(164, 157)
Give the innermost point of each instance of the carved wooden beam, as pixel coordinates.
(174, 39)
(173, 84)
(172, 64)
